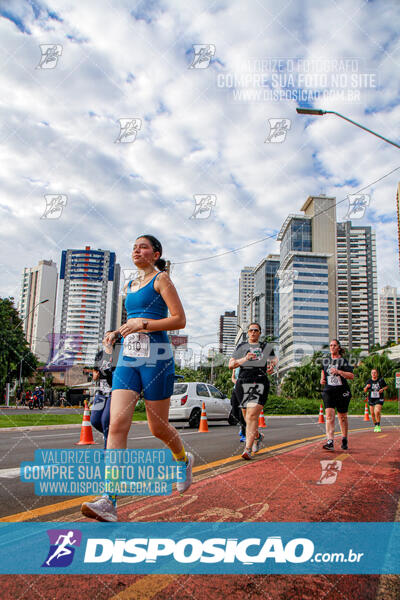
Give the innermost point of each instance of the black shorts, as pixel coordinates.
(339, 399)
(251, 392)
(375, 401)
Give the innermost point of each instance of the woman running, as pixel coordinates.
(336, 393)
(376, 387)
(102, 375)
(142, 366)
(236, 410)
(252, 384)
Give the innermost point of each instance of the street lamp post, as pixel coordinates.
(318, 112)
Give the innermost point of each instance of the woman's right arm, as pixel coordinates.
(234, 363)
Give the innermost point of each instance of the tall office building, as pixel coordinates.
(246, 285)
(265, 298)
(398, 217)
(38, 284)
(227, 332)
(307, 288)
(122, 316)
(357, 286)
(87, 302)
(389, 315)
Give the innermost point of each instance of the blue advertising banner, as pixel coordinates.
(89, 471)
(200, 548)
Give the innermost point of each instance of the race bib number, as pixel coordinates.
(137, 345)
(334, 380)
(375, 395)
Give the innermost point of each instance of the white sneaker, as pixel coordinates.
(182, 486)
(257, 443)
(101, 509)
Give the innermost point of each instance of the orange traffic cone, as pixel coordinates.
(321, 415)
(86, 429)
(261, 420)
(366, 412)
(203, 420)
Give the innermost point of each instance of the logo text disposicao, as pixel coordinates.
(189, 550)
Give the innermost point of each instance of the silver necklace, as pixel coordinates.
(139, 281)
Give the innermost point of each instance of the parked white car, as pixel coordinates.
(187, 400)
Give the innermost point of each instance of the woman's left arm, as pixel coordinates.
(177, 319)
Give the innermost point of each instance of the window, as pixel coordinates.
(215, 393)
(201, 390)
(180, 388)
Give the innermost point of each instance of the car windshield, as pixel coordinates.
(180, 388)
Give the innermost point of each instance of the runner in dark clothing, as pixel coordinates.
(236, 410)
(336, 393)
(376, 387)
(252, 385)
(100, 409)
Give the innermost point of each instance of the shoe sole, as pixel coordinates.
(88, 512)
(328, 449)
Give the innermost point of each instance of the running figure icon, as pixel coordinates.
(62, 549)
(253, 393)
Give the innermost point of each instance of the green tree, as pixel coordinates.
(13, 345)
(304, 381)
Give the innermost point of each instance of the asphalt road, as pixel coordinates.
(220, 442)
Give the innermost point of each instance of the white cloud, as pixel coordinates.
(61, 125)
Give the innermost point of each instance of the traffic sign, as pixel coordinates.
(398, 380)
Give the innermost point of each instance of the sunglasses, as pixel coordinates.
(254, 330)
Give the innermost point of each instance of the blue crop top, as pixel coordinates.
(146, 302)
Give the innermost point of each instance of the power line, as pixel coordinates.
(273, 236)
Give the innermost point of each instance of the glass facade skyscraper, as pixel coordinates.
(307, 281)
(265, 299)
(304, 310)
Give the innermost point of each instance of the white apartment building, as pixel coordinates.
(87, 303)
(389, 315)
(246, 287)
(39, 284)
(357, 286)
(227, 332)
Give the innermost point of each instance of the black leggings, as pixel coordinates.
(100, 414)
(237, 411)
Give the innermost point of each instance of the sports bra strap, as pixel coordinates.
(153, 280)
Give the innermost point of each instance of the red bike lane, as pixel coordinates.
(301, 484)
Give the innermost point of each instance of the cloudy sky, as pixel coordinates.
(195, 84)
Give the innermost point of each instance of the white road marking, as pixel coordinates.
(9, 473)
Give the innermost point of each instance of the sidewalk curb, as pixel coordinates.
(43, 427)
